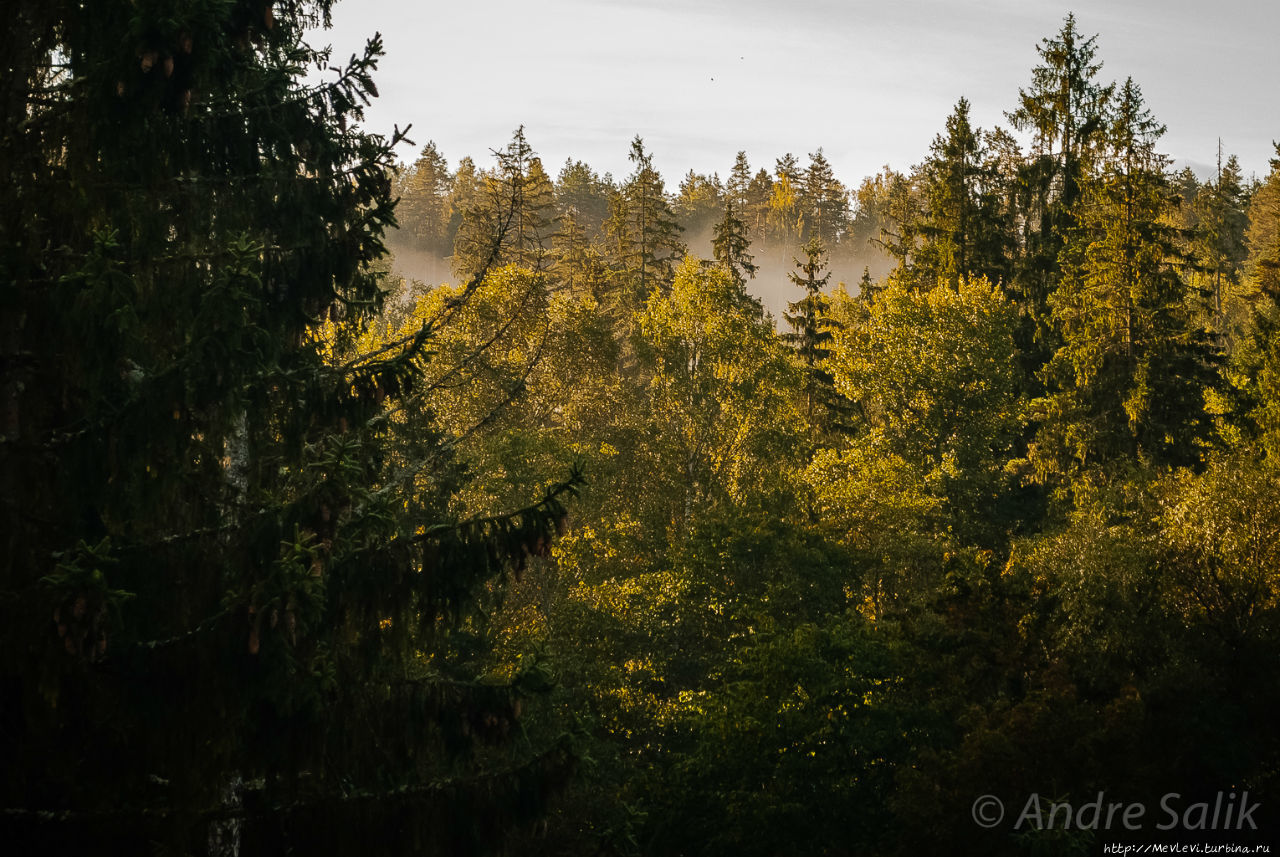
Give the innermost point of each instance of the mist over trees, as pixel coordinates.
(544, 511)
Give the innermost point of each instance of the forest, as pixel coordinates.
(360, 506)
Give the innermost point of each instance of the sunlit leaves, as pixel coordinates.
(934, 376)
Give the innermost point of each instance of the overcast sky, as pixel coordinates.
(871, 83)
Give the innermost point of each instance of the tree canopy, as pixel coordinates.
(505, 519)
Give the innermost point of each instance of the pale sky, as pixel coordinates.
(871, 83)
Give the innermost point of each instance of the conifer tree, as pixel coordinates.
(537, 221)
(1065, 110)
(788, 167)
(1133, 366)
(875, 226)
(811, 326)
(867, 287)
(739, 183)
(513, 207)
(234, 598)
(756, 210)
(1219, 233)
(578, 263)
(963, 230)
(1263, 268)
(465, 195)
(580, 189)
(785, 214)
(698, 202)
(730, 244)
(823, 201)
(424, 210)
(643, 226)
(1264, 233)
(899, 217)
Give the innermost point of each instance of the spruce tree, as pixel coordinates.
(465, 194)
(823, 201)
(963, 228)
(578, 263)
(1263, 263)
(537, 223)
(1219, 234)
(698, 202)
(867, 287)
(1131, 371)
(739, 183)
(424, 210)
(1065, 110)
(900, 213)
(644, 228)
(1263, 269)
(513, 209)
(811, 327)
(580, 189)
(756, 210)
(730, 244)
(234, 598)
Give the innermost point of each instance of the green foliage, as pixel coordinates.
(510, 209)
(717, 386)
(1000, 524)
(643, 227)
(965, 231)
(730, 245)
(811, 331)
(823, 201)
(227, 544)
(1219, 244)
(1264, 232)
(1133, 366)
(425, 208)
(698, 202)
(934, 379)
(1065, 109)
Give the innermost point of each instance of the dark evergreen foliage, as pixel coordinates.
(643, 226)
(234, 593)
(730, 245)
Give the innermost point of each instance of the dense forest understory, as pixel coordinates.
(352, 506)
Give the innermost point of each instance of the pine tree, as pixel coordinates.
(788, 167)
(233, 598)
